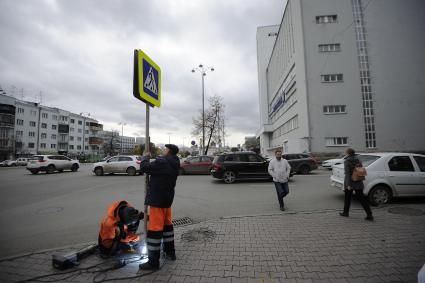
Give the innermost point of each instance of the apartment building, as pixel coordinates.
(30, 128)
(340, 73)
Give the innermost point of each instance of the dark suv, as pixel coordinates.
(239, 165)
(301, 163)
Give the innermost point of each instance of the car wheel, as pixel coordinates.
(304, 169)
(34, 172)
(50, 169)
(380, 195)
(98, 171)
(131, 171)
(229, 177)
(181, 171)
(74, 167)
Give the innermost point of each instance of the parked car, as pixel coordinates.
(388, 175)
(196, 165)
(22, 161)
(230, 167)
(52, 163)
(301, 163)
(9, 163)
(129, 164)
(331, 162)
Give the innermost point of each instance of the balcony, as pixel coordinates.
(95, 127)
(95, 141)
(63, 129)
(7, 109)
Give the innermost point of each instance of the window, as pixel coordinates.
(80, 131)
(21, 110)
(332, 78)
(337, 141)
(64, 118)
(113, 159)
(19, 133)
(125, 158)
(71, 138)
(232, 158)
(32, 124)
(31, 134)
(80, 122)
(71, 146)
(79, 147)
(55, 117)
(43, 135)
(366, 160)
(333, 47)
(19, 122)
(42, 145)
(30, 145)
(53, 136)
(79, 138)
(420, 160)
(87, 123)
(44, 125)
(86, 139)
(33, 113)
(87, 147)
(327, 19)
(72, 121)
(44, 115)
(206, 159)
(334, 109)
(87, 132)
(71, 129)
(53, 145)
(401, 163)
(253, 158)
(54, 127)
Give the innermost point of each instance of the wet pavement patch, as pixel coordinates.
(202, 234)
(49, 210)
(406, 211)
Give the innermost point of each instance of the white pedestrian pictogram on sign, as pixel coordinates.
(150, 82)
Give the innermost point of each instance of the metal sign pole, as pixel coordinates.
(147, 150)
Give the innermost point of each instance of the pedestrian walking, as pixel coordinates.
(280, 170)
(353, 183)
(163, 174)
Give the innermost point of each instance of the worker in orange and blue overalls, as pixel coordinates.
(163, 173)
(118, 229)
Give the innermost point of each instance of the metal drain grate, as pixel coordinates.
(406, 211)
(182, 221)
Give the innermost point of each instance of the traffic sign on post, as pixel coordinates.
(146, 79)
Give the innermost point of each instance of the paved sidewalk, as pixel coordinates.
(316, 246)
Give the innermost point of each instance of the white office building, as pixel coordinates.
(343, 73)
(31, 128)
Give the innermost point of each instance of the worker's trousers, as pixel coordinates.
(160, 229)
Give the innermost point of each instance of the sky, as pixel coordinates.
(78, 55)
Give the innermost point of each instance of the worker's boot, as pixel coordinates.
(153, 244)
(152, 263)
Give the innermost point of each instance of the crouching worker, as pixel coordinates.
(118, 229)
(163, 174)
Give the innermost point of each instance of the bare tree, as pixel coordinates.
(214, 117)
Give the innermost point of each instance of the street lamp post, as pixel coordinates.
(203, 70)
(122, 133)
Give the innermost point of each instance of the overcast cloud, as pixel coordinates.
(79, 54)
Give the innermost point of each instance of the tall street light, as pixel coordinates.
(203, 70)
(122, 133)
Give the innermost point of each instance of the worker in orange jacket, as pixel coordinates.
(118, 229)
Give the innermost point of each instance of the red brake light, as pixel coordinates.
(138, 161)
(42, 160)
(217, 166)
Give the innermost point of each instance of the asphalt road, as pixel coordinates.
(52, 210)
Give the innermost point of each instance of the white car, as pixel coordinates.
(388, 175)
(22, 161)
(9, 163)
(52, 163)
(129, 164)
(331, 162)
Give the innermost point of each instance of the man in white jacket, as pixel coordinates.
(280, 170)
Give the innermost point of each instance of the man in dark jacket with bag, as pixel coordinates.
(163, 174)
(350, 185)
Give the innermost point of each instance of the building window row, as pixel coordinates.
(19, 122)
(44, 115)
(32, 124)
(33, 113)
(19, 133)
(326, 19)
(31, 134)
(334, 109)
(43, 136)
(337, 141)
(333, 47)
(21, 110)
(332, 78)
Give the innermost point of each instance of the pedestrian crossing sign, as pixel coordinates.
(146, 79)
